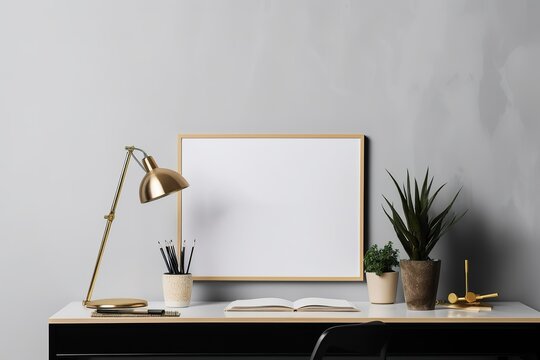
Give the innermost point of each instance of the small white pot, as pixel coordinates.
(177, 289)
(382, 289)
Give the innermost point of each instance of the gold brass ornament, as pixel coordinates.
(471, 299)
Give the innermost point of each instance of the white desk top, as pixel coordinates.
(213, 312)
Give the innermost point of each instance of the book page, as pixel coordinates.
(259, 303)
(322, 302)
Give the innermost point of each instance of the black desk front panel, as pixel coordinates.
(89, 341)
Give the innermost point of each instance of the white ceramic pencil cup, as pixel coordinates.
(177, 289)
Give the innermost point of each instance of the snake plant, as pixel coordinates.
(418, 230)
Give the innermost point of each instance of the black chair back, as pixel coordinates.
(363, 340)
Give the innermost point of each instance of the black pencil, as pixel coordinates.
(172, 256)
(190, 256)
(177, 259)
(168, 254)
(165, 258)
(182, 258)
(173, 249)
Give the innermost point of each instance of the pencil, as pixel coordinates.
(165, 258)
(176, 259)
(182, 258)
(190, 256)
(178, 265)
(172, 256)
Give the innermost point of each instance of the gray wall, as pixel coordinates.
(452, 85)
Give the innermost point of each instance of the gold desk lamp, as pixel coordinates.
(157, 183)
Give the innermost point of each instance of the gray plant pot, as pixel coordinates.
(420, 281)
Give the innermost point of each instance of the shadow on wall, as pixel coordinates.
(469, 240)
(500, 260)
(367, 192)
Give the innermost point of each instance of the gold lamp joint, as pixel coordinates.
(109, 217)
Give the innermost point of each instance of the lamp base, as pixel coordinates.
(115, 303)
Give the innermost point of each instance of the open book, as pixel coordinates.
(277, 304)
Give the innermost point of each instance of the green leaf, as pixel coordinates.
(432, 199)
(443, 214)
(416, 229)
(417, 202)
(409, 196)
(402, 196)
(402, 238)
(382, 260)
(425, 191)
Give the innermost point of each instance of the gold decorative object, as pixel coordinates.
(470, 298)
(454, 298)
(466, 276)
(157, 183)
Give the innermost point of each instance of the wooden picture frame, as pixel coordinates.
(273, 207)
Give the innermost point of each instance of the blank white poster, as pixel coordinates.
(273, 208)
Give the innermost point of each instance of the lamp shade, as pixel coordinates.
(159, 182)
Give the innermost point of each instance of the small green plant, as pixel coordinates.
(420, 231)
(381, 260)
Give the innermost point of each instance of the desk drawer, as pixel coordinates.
(294, 339)
(184, 339)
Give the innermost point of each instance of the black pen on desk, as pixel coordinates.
(131, 311)
(190, 256)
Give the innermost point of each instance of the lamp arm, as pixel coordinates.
(110, 218)
(136, 148)
(137, 160)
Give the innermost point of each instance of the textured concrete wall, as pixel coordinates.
(452, 85)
